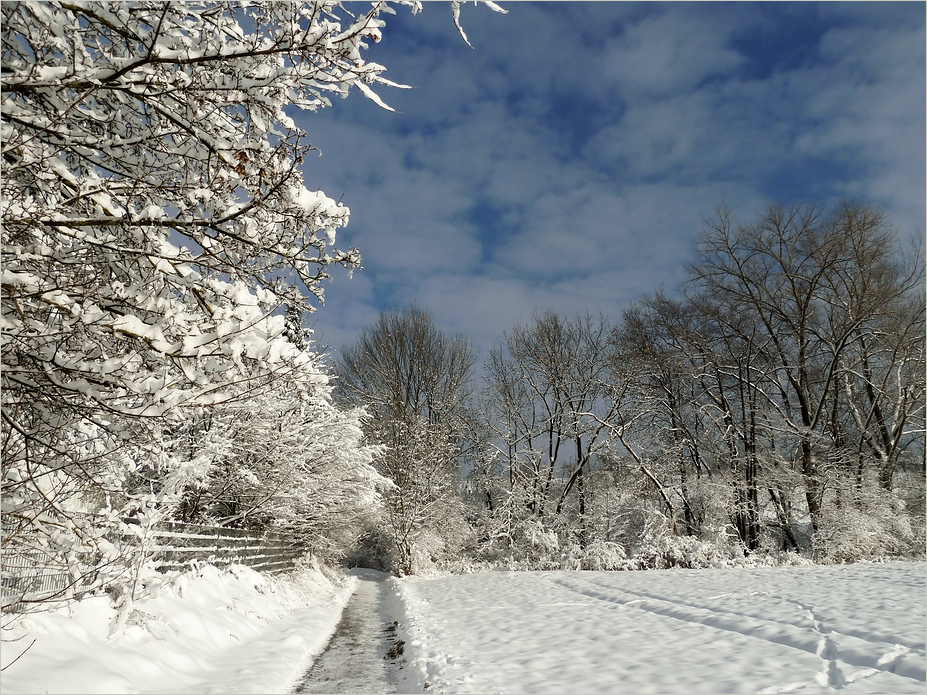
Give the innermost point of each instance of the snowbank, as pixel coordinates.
(856, 628)
(212, 631)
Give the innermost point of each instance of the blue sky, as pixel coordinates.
(569, 158)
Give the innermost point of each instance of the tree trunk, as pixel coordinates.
(785, 522)
(812, 483)
(581, 491)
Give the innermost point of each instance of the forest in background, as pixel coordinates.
(774, 404)
(162, 255)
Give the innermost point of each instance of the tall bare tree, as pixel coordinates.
(548, 386)
(414, 380)
(654, 347)
(811, 286)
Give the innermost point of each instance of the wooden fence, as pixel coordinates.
(176, 545)
(31, 577)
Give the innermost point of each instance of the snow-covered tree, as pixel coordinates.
(423, 521)
(283, 460)
(155, 223)
(414, 380)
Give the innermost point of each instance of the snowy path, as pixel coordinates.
(361, 654)
(852, 629)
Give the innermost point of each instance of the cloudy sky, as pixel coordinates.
(569, 158)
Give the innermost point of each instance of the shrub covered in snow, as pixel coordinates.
(876, 528)
(685, 552)
(597, 555)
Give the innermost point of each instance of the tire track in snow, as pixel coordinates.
(889, 660)
(915, 647)
(870, 656)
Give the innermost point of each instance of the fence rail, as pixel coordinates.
(176, 545)
(31, 576)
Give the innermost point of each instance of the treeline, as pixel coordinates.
(774, 403)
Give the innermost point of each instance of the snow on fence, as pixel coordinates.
(177, 545)
(31, 577)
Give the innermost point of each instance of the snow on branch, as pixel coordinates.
(156, 224)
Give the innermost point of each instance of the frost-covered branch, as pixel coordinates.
(156, 225)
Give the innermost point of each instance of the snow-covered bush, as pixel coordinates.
(876, 528)
(684, 552)
(284, 460)
(597, 555)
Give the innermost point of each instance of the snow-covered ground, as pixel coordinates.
(852, 629)
(856, 628)
(211, 632)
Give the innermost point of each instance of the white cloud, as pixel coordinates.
(599, 135)
(669, 54)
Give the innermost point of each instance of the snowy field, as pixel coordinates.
(848, 629)
(852, 629)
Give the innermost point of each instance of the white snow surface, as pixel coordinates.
(212, 631)
(849, 629)
(852, 629)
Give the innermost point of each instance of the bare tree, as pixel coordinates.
(654, 348)
(880, 295)
(414, 380)
(810, 286)
(404, 364)
(548, 388)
